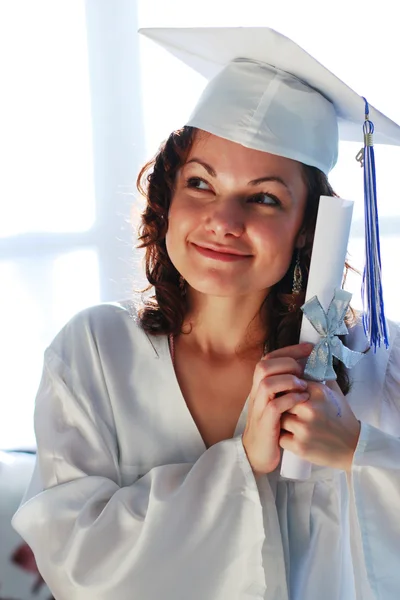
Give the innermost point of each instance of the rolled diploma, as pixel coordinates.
(328, 257)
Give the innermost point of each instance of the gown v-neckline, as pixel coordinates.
(165, 352)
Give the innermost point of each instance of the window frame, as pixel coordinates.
(118, 151)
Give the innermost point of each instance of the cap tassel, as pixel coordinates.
(374, 316)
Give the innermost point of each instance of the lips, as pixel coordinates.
(221, 253)
(221, 249)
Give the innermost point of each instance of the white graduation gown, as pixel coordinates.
(127, 503)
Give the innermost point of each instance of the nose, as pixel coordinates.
(225, 218)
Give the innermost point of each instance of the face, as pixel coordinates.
(235, 217)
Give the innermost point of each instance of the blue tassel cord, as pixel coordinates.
(374, 315)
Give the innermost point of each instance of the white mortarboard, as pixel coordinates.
(267, 93)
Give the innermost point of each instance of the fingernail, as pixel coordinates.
(302, 382)
(308, 346)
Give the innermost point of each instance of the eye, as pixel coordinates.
(197, 183)
(266, 199)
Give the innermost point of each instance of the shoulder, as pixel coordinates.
(101, 331)
(98, 360)
(102, 314)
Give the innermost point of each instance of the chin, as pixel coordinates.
(223, 287)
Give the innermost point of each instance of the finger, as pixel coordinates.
(286, 442)
(297, 351)
(323, 392)
(278, 406)
(269, 387)
(289, 422)
(272, 415)
(303, 362)
(275, 366)
(279, 384)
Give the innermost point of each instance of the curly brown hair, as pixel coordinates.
(164, 311)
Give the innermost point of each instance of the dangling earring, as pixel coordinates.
(297, 287)
(182, 286)
(297, 276)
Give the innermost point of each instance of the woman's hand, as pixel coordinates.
(323, 430)
(277, 388)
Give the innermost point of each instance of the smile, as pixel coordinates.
(222, 256)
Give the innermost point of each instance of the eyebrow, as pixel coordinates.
(206, 166)
(267, 178)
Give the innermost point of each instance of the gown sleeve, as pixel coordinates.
(180, 531)
(374, 485)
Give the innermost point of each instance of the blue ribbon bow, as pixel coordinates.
(329, 325)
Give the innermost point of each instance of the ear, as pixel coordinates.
(301, 239)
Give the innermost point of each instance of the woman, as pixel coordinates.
(156, 478)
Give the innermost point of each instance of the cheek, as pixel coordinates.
(181, 221)
(275, 242)
(276, 236)
(184, 215)
(171, 235)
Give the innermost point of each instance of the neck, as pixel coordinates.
(224, 326)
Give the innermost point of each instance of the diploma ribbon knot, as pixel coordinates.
(329, 325)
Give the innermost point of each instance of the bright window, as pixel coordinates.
(69, 151)
(84, 103)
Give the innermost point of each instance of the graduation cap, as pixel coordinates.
(267, 93)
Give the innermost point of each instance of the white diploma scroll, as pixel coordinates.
(326, 273)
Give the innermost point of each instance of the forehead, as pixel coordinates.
(224, 156)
